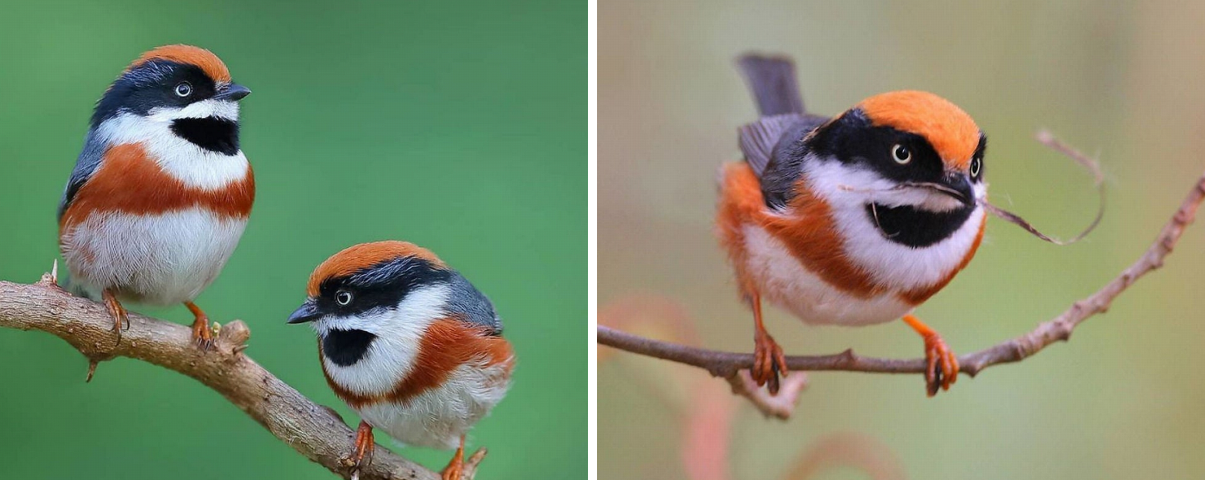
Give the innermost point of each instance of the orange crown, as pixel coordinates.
(202, 58)
(359, 257)
(946, 127)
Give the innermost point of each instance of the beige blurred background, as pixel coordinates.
(1125, 80)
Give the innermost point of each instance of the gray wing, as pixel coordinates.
(85, 166)
(773, 146)
(472, 305)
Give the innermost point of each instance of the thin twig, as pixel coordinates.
(313, 430)
(727, 364)
(1098, 177)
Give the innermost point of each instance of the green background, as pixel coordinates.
(1125, 399)
(459, 127)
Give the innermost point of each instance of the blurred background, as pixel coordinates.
(459, 127)
(1118, 79)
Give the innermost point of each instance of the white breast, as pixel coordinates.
(438, 417)
(784, 282)
(154, 259)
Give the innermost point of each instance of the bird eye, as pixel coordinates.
(976, 167)
(902, 154)
(343, 297)
(183, 89)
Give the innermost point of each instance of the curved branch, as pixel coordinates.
(313, 430)
(727, 364)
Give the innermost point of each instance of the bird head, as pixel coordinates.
(376, 288)
(180, 90)
(907, 149)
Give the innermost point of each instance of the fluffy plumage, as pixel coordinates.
(852, 220)
(161, 193)
(407, 342)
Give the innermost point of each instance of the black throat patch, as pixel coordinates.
(346, 347)
(914, 227)
(211, 133)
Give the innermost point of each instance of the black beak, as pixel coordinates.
(953, 185)
(307, 312)
(959, 187)
(233, 92)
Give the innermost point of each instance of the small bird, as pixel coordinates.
(852, 220)
(161, 192)
(409, 344)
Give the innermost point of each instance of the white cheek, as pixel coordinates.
(205, 108)
(891, 264)
(184, 161)
(843, 184)
(392, 355)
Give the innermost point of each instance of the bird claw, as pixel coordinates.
(455, 468)
(453, 471)
(202, 336)
(769, 362)
(361, 455)
(121, 318)
(942, 365)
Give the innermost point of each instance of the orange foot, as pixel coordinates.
(121, 319)
(361, 454)
(455, 468)
(202, 335)
(942, 368)
(768, 360)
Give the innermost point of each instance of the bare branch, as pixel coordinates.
(728, 364)
(313, 430)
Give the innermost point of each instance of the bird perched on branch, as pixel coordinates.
(851, 220)
(161, 192)
(409, 344)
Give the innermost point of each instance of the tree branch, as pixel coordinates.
(728, 364)
(313, 430)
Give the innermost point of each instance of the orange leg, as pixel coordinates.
(456, 466)
(201, 333)
(121, 319)
(362, 452)
(768, 359)
(943, 364)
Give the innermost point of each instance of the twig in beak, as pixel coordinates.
(1093, 167)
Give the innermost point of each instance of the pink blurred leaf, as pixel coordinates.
(707, 432)
(848, 450)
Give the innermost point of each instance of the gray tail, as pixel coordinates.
(772, 79)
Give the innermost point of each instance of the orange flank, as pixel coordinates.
(806, 229)
(129, 181)
(202, 58)
(446, 345)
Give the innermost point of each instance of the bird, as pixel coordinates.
(161, 192)
(851, 220)
(409, 344)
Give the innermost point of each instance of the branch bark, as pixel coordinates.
(313, 430)
(728, 364)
